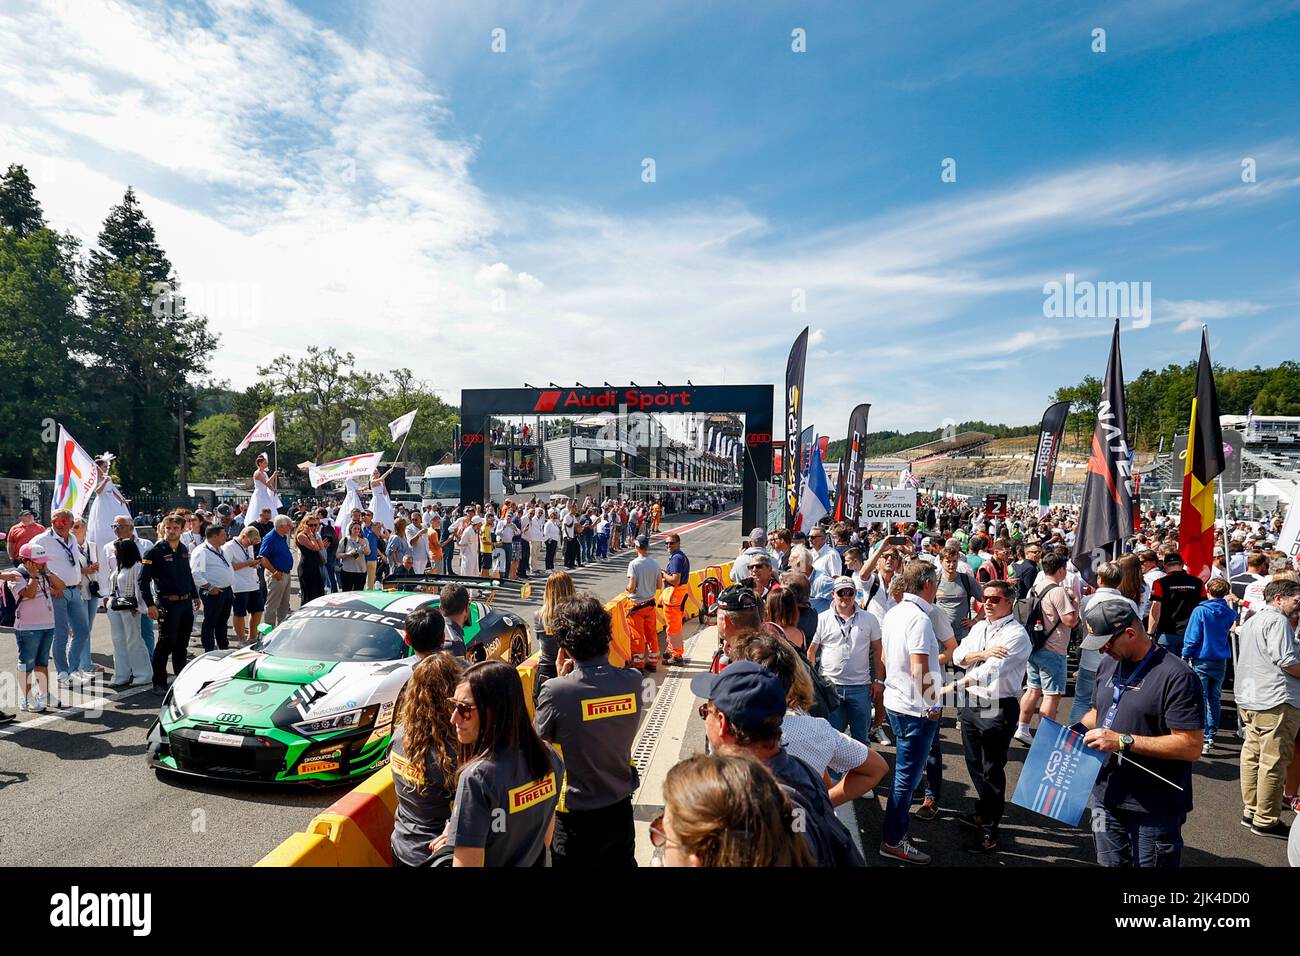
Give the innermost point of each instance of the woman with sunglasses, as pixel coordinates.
(726, 811)
(424, 756)
(507, 773)
(311, 550)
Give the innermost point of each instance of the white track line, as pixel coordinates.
(54, 715)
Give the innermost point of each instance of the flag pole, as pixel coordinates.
(1223, 508)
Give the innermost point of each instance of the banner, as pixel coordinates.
(1106, 515)
(75, 475)
(356, 466)
(814, 498)
(1058, 774)
(888, 504)
(848, 495)
(400, 426)
(1288, 538)
(794, 368)
(1204, 461)
(264, 430)
(1049, 446)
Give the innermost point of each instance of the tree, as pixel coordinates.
(19, 209)
(147, 351)
(319, 399)
(41, 332)
(431, 433)
(217, 436)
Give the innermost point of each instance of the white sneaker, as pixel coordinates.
(65, 680)
(24, 703)
(1024, 736)
(37, 703)
(81, 677)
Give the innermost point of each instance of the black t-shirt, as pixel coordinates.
(420, 817)
(829, 841)
(807, 624)
(1177, 593)
(1026, 573)
(1167, 696)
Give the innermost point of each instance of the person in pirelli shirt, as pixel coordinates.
(591, 715)
(508, 787)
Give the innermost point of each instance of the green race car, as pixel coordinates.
(313, 701)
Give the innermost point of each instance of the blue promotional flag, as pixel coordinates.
(815, 498)
(1058, 774)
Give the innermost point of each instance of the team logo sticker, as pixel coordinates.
(530, 794)
(596, 708)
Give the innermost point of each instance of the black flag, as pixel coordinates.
(794, 424)
(1049, 446)
(1107, 513)
(848, 495)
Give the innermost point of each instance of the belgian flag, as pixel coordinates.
(1204, 463)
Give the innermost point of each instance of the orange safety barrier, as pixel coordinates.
(620, 649)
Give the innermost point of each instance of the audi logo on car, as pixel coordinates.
(229, 718)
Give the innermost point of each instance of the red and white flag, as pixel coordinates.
(264, 430)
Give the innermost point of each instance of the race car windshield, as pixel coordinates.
(334, 639)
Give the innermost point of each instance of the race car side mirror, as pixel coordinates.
(264, 629)
(526, 591)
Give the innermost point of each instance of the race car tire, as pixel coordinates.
(518, 647)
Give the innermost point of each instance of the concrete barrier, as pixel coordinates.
(357, 829)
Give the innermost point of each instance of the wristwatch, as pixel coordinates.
(879, 681)
(1125, 742)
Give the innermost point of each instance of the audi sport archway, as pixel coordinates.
(477, 405)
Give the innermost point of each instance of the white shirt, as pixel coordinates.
(1151, 577)
(569, 524)
(907, 630)
(814, 741)
(845, 646)
(245, 579)
(829, 561)
(552, 530)
(881, 603)
(108, 555)
(211, 568)
(192, 540)
(65, 556)
(997, 677)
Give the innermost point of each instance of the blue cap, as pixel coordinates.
(748, 693)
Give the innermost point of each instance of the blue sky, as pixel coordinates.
(373, 176)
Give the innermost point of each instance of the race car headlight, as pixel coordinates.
(331, 723)
(173, 712)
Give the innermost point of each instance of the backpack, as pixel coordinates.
(9, 601)
(1029, 612)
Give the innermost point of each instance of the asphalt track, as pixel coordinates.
(75, 789)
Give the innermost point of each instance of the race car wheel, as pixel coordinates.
(518, 647)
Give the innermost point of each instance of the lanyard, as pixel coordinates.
(1120, 688)
(67, 549)
(219, 555)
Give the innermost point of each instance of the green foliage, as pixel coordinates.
(884, 443)
(217, 436)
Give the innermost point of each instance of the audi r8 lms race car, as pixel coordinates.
(313, 700)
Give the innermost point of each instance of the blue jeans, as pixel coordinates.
(854, 711)
(33, 651)
(1084, 682)
(934, 765)
(1211, 675)
(146, 633)
(1172, 641)
(70, 614)
(1130, 838)
(602, 545)
(913, 737)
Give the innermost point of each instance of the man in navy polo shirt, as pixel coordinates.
(277, 561)
(1149, 711)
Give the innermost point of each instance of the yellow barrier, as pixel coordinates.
(357, 828)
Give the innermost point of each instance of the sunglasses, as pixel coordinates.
(658, 835)
(994, 599)
(704, 711)
(845, 592)
(313, 524)
(461, 710)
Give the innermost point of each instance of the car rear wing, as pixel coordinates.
(486, 588)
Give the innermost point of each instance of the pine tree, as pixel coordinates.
(148, 351)
(19, 209)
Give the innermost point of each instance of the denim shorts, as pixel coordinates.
(1047, 670)
(34, 648)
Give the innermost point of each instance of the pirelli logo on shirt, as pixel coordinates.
(598, 707)
(530, 794)
(407, 770)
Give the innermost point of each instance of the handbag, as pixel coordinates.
(119, 603)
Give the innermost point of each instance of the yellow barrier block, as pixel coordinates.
(351, 844)
(528, 676)
(302, 849)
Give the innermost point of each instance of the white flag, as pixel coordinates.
(354, 466)
(1288, 539)
(75, 475)
(264, 430)
(400, 426)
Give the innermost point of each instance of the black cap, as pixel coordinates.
(224, 510)
(737, 598)
(749, 694)
(642, 541)
(1106, 619)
